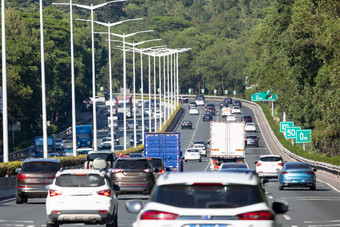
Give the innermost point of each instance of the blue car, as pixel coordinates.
(297, 174)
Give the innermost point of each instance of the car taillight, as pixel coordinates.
(88, 165)
(280, 164)
(310, 172)
(162, 171)
(259, 164)
(256, 215)
(158, 215)
(22, 176)
(53, 176)
(53, 192)
(146, 170)
(285, 172)
(116, 171)
(102, 211)
(106, 192)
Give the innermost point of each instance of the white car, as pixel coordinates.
(193, 110)
(158, 114)
(210, 199)
(202, 149)
(147, 111)
(250, 127)
(231, 117)
(200, 102)
(269, 166)
(81, 196)
(192, 154)
(236, 110)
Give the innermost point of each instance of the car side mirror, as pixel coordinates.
(315, 170)
(280, 207)
(255, 162)
(134, 206)
(156, 170)
(17, 170)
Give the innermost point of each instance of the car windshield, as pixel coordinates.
(76, 180)
(251, 137)
(298, 166)
(271, 159)
(193, 150)
(131, 164)
(105, 156)
(40, 167)
(213, 196)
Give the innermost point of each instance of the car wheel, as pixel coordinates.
(280, 187)
(257, 145)
(313, 187)
(200, 160)
(185, 160)
(18, 199)
(50, 223)
(205, 155)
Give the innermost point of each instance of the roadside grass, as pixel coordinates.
(297, 149)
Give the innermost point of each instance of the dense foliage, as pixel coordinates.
(288, 46)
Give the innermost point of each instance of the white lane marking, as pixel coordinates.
(287, 217)
(16, 221)
(323, 225)
(260, 127)
(334, 188)
(311, 198)
(311, 222)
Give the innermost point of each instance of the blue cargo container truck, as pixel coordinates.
(39, 146)
(84, 135)
(167, 146)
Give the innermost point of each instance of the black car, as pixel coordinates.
(200, 97)
(209, 105)
(228, 100)
(186, 124)
(211, 110)
(139, 139)
(237, 103)
(184, 99)
(207, 117)
(252, 140)
(223, 104)
(247, 118)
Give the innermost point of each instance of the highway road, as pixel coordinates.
(306, 207)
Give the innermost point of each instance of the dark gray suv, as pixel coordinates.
(133, 175)
(33, 176)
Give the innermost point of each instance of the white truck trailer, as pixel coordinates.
(227, 143)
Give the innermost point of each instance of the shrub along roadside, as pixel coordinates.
(297, 148)
(8, 169)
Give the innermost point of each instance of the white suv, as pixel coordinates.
(206, 199)
(269, 166)
(81, 196)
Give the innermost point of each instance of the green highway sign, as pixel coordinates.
(215, 91)
(304, 136)
(190, 90)
(234, 92)
(284, 125)
(202, 91)
(263, 96)
(291, 132)
(226, 92)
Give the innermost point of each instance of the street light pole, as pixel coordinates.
(160, 93)
(4, 84)
(92, 7)
(168, 95)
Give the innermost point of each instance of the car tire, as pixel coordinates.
(313, 187)
(257, 145)
(200, 160)
(205, 155)
(280, 187)
(18, 199)
(185, 160)
(50, 223)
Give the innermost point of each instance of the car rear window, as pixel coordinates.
(40, 167)
(105, 156)
(131, 164)
(271, 159)
(297, 166)
(86, 180)
(212, 196)
(156, 163)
